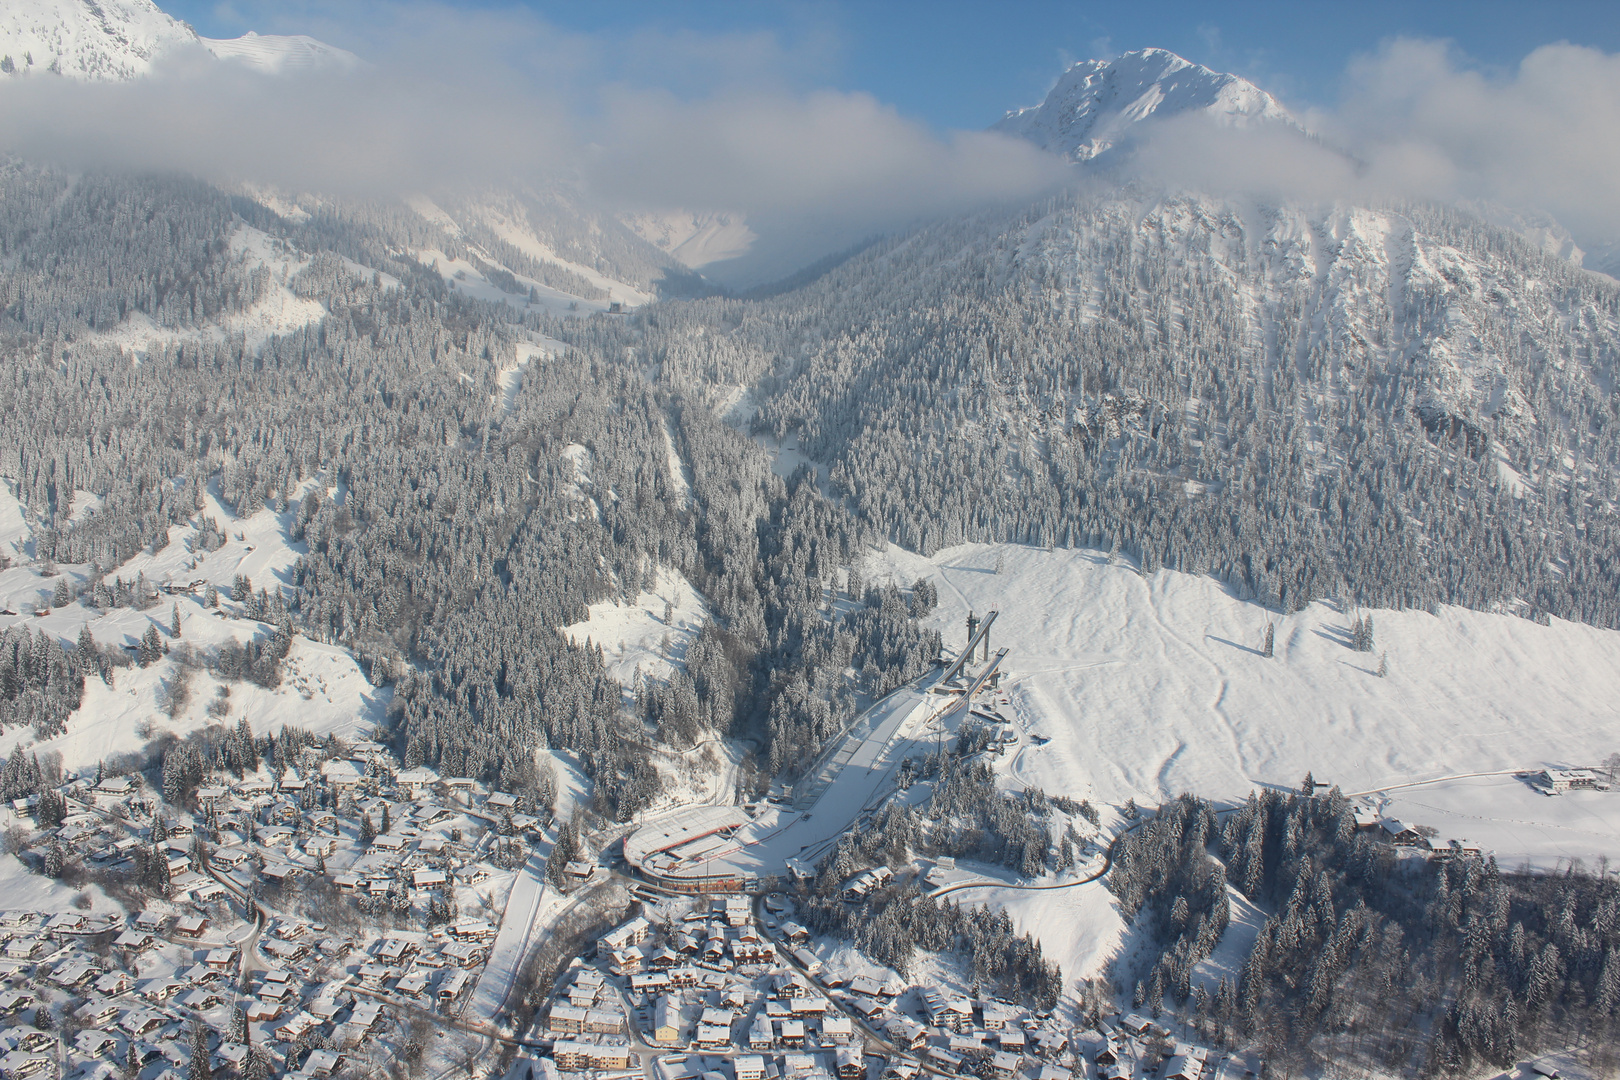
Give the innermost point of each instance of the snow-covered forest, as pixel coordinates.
(1399, 406)
(463, 526)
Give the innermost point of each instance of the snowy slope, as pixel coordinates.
(16, 531)
(322, 688)
(532, 225)
(81, 39)
(695, 239)
(1148, 687)
(634, 635)
(1099, 104)
(280, 311)
(280, 53)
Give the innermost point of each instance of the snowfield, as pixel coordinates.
(634, 635)
(1148, 687)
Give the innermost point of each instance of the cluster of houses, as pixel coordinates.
(1135, 1046)
(685, 983)
(91, 994)
(1404, 834)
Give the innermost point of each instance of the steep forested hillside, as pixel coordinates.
(470, 517)
(1399, 406)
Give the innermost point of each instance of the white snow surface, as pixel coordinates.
(632, 635)
(463, 275)
(109, 39)
(508, 223)
(1151, 686)
(1099, 104)
(16, 530)
(279, 312)
(280, 54)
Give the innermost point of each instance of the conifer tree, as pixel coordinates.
(201, 1067)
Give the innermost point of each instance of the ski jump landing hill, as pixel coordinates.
(725, 849)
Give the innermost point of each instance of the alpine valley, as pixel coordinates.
(1141, 628)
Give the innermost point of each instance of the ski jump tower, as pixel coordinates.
(977, 631)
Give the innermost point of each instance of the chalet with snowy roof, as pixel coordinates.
(415, 781)
(1558, 781)
(261, 1012)
(286, 952)
(905, 1032)
(342, 774)
(1004, 1066)
(116, 786)
(465, 953)
(291, 1028)
(158, 991)
(1184, 1067)
(20, 1064)
(133, 939)
(452, 984)
(26, 948)
(473, 930)
(138, 1022)
(75, 974)
(98, 1013)
(1402, 834)
(373, 976)
(838, 1029)
(572, 1056)
(231, 1055)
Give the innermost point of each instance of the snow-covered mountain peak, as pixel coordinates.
(1098, 104)
(87, 39)
(97, 40)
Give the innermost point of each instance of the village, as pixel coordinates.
(321, 921)
(727, 988)
(337, 918)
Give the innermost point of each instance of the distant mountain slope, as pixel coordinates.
(277, 53)
(695, 239)
(1100, 104)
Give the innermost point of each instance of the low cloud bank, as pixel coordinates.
(1416, 122)
(732, 122)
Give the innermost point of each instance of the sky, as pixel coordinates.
(955, 64)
